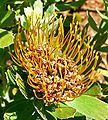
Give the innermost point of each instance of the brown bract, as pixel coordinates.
(60, 67)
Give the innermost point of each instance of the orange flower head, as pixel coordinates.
(59, 66)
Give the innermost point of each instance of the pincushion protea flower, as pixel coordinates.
(60, 67)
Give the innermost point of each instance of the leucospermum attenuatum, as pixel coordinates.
(59, 66)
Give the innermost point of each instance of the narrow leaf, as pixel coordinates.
(10, 76)
(40, 108)
(21, 85)
(40, 113)
(92, 22)
(102, 15)
(103, 49)
(103, 27)
(106, 6)
(100, 40)
(7, 18)
(85, 29)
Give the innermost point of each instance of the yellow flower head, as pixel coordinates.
(60, 67)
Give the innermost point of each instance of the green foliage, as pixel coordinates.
(71, 5)
(101, 31)
(94, 90)
(5, 38)
(17, 101)
(102, 15)
(7, 18)
(63, 112)
(90, 106)
(92, 22)
(19, 110)
(21, 85)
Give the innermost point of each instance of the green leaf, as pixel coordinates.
(63, 112)
(94, 90)
(106, 6)
(21, 109)
(18, 2)
(2, 2)
(85, 29)
(4, 56)
(102, 71)
(88, 118)
(10, 116)
(70, 5)
(21, 85)
(53, 1)
(7, 19)
(102, 15)
(40, 113)
(10, 76)
(103, 27)
(40, 108)
(77, 114)
(92, 22)
(50, 2)
(90, 107)
(100, 40)
(5, 38)
(103, 49)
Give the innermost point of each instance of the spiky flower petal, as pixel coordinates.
(59, 67)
